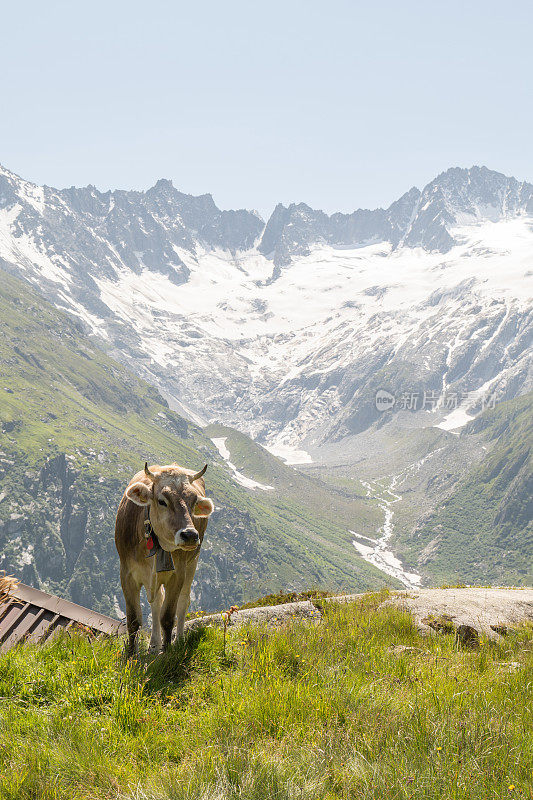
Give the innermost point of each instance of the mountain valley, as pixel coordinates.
(250, 344)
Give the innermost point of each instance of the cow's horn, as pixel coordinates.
(147, 471)
(193, 478)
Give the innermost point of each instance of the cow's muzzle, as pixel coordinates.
(187, 538)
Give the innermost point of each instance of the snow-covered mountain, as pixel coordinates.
(418, 219)
(287, 330)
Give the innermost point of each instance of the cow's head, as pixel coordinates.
(177, 504)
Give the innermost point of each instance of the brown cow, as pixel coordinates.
(172, 501)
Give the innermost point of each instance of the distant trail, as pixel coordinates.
(376, 551)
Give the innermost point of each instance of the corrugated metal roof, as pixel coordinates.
(31, 615)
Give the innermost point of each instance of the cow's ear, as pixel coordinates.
(139, 493)
(204, 507)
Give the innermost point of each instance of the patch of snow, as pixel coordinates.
(32, 194)
(248, 483)
(96, 325)
(276, 328)
(363, 549)
(184, 410)
(23, 250)
(456, 419)
(288, 454)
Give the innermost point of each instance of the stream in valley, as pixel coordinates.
(377, 551)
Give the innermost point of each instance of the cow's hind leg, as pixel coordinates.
(134, 618)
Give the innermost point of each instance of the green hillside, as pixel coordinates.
(76, 425)
(483, 532)
(340, 499)
(358, 707)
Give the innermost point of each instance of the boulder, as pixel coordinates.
(467, 612)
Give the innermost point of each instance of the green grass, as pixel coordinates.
(287, 597)
(304, 712)
(484, 529)
(326, 498)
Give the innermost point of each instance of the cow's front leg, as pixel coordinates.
(155, 605)
(134, 618)
(184, 598)
(168, 610)
(181, 610)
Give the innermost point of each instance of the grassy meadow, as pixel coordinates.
(308, 712)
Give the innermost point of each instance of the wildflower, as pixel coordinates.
(511, 787)
(438, 748)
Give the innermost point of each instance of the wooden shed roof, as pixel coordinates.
(28, 614)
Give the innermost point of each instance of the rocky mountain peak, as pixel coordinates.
(480, 193)
(162, 184)
(424, 218)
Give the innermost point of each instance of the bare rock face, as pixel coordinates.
(467, 613)
(272, 616)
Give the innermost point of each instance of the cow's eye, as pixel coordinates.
(162, 502)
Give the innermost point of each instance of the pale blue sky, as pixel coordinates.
(341, 104)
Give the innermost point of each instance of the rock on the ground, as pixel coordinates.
(402, 649)
(469, 612)
(265, 615)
